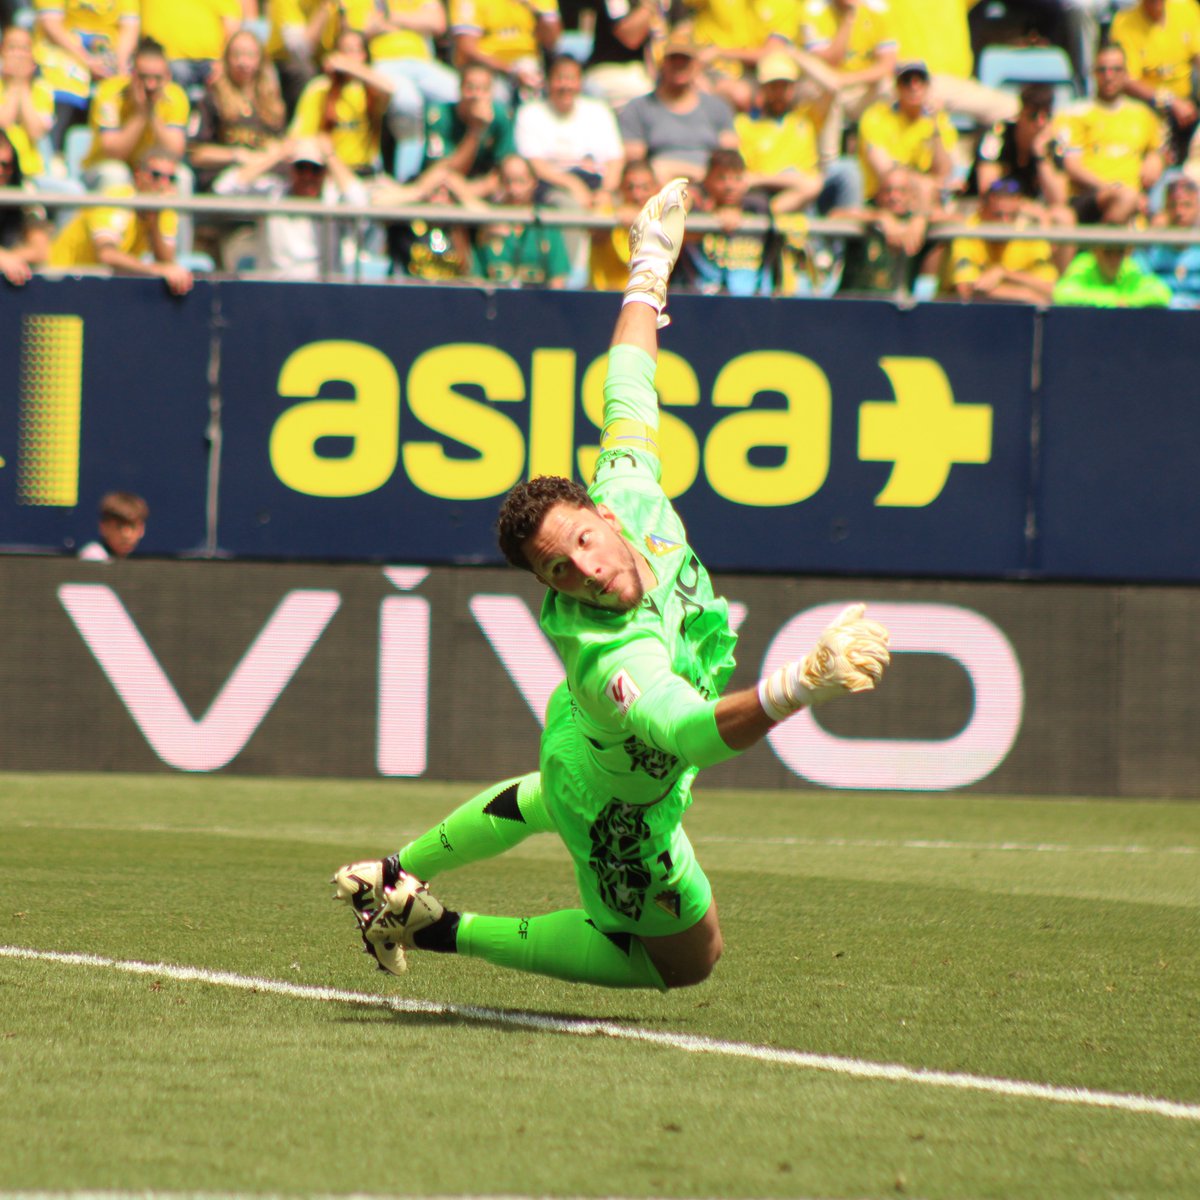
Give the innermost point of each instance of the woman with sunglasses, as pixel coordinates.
(126, 241)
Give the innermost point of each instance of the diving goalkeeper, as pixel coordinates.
(648, 651)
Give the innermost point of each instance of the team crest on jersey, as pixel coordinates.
(622, 691)
(659, 545)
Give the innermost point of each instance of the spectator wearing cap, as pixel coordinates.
(1016, 271)
(777, 139)
(677, 126)
(1161, 40)
(296, 247)
(856, 39)
(1112, 147)
(937, 33)
(1177, 266)
(128, 241)
(1108, 276)
(909, 132)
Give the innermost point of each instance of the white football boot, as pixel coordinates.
(407, 909)
(361, 885)
(655, 239)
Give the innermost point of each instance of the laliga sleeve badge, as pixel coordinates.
(659, 545)
(622, 691)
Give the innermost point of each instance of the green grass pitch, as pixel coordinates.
(1047, 942)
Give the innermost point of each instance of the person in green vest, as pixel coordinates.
(1107, 276)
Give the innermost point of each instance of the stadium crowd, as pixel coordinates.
(779, 111)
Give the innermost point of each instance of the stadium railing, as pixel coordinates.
(356, 220)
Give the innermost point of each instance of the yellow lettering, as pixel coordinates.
(371, 420)
(923, 432)
(552, 413)
(677, 388)
(801, 429)
(497, 441)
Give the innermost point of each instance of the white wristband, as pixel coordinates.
(769, 705)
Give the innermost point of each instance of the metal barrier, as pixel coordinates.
(359, 216)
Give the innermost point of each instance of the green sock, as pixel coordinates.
(564, 945)
(488, 824)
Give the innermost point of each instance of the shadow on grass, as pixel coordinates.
(508, 1020)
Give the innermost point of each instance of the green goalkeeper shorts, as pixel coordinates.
(634, 865)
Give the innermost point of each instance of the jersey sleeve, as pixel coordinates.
(632, 686)
(630, 430)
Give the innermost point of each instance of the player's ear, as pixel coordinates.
(608, 515)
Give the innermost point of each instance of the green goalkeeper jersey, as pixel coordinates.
(644, 684)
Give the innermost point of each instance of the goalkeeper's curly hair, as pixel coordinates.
(525, 507)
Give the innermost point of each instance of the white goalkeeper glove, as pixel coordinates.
(849, 657)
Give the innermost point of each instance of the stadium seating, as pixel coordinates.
(1009, 68)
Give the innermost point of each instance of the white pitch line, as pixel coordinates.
(937, 844)
(580, 1027)
(155, 1195)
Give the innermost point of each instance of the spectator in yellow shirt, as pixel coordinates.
(937, 33)
(1161, 40)
(1112, 151)
(610, 247)
(26, 102)
(510, 37)
(778, 141)
(1019, 271)
(347, 102)
(130, 242)
(193, 34)
(131, 113)
(78, 43)
(909, 133)
(856, 39)
(731, 37)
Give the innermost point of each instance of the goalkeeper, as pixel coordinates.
(648, 651)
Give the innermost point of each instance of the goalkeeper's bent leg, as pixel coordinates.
(488, 824)
(564, 945)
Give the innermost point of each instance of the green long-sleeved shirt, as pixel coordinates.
(1082, 283)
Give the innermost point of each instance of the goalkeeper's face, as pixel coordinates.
(580, 553)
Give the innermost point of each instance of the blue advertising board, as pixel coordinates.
(103, 386)
(384, 423)
(1118, 494)
(373, 423)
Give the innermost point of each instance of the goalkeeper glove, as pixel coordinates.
(849, 657)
